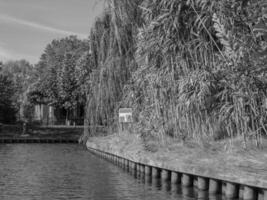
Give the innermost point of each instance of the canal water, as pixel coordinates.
(69, 171)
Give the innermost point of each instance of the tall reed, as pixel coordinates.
(189, 69)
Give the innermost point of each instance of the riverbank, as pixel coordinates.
(39, 134)
(218, 159)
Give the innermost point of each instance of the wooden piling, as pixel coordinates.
(265, 194)
(187, 180)
(142, 168)
(166, 175)
(127, 164)
(214, 186)
(249, 193)
(231, 190)
(202, 183)
(195, 182)
(175, 177)
(156, 172)
(148, 170)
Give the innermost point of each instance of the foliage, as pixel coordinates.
(20, 73)
(191, 69)
(56, 82)
(7, 108)
(82, 72)
(112, 44)
(199, 73)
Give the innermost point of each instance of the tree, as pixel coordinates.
(56, 82)
(112, 44)
(83, 69)
(68, 93)
(7, 108)
(21, 74)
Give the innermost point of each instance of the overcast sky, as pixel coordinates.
(27, 26)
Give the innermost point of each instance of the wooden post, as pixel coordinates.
(175, 177)
(249, 193)
(148, 170)
(231, 190)
(166, 175)
(214, 186)
(156, 172)
(187, 180)
(202, 183)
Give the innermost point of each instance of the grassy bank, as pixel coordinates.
(217, 159)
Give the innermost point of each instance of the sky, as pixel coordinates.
(27, 26)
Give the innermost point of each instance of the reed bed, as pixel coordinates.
(189, 69)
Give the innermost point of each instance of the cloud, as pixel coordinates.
(38, 26)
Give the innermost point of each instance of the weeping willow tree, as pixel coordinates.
(189, 68)
(112, 42)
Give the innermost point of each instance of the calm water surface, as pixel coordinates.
(66, 171)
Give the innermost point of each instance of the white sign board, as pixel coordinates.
(125, 115)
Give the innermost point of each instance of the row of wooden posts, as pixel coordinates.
(211, 186)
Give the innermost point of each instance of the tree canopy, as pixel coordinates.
(21, 74)
(57, 83)
(7, 107)
(17, 76)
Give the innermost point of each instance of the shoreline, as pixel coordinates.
(31, 140)
(248, 170)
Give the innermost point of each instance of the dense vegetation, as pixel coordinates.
(112, 43)
(15, 78)
(192, 69)
(61, 74)
(7, 108)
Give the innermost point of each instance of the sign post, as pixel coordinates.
(125, 118)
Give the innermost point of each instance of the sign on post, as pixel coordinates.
(125, 118)
(125, 115)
